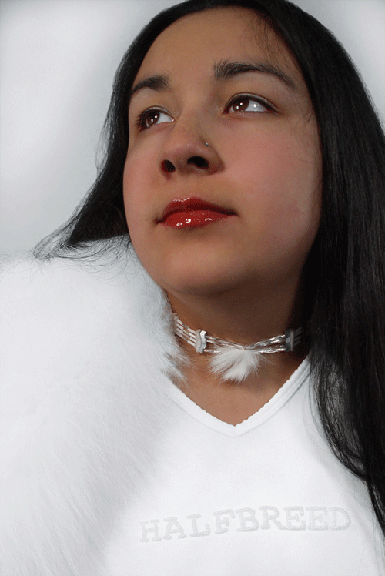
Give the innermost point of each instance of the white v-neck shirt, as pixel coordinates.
(265, 497)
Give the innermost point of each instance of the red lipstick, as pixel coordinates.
(193, 213)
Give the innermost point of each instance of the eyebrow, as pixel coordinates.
(157, 83)
(223, 70)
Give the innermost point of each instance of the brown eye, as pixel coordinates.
(151, 117)
(247, 103)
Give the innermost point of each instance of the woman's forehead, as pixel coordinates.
(192, 49)
(216, 35)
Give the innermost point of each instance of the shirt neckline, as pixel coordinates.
(257, 419)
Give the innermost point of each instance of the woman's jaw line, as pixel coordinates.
(240, 314)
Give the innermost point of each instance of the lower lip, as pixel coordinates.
(194, 219)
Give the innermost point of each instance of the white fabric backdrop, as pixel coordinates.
(57, 61)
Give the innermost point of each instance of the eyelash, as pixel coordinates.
(145, 115)
(244, 96)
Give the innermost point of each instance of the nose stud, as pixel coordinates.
(206, 144)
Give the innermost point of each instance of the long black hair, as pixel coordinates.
(345, 270)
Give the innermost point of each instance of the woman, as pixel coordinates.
(205, 395)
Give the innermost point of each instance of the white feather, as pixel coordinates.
(235, 364)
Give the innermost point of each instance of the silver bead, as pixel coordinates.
(200, 342)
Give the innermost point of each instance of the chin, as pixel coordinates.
(199, 280)
(195, 268)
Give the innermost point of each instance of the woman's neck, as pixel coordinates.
(241, 316)
(244, 321)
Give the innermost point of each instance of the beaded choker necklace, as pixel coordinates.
(231, 360)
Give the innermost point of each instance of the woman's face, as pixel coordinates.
(222, 77)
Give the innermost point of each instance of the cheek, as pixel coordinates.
(281, 181)
(136, 190)
(283, 168)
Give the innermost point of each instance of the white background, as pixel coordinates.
(57, 62)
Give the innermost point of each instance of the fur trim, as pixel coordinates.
(82, 344)
(234, 364)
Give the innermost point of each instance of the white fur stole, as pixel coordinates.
(84, 349)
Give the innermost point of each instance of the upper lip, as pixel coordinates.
(189, 204)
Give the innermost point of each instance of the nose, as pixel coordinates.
(186, 151)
